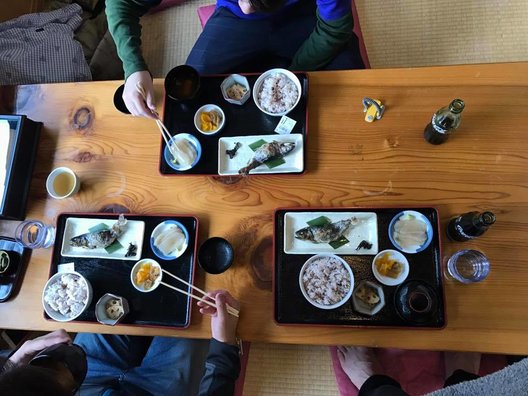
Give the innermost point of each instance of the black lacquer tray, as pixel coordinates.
(13, 266)
(245, 120)
(291, 308)
(161, 307)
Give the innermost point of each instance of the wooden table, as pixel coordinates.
(350, 163)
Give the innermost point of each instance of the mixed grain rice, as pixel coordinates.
(277, 93)
(326, 280)
(67, 295)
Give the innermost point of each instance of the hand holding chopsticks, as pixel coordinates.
(165, 134)
(229, 308)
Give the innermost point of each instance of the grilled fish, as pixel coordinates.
(326, 233)
(267, 152)
(102, 238)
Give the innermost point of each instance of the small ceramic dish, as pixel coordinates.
(163, 228)
(257, 89)
(153, 275)
(393, 255)
(47, 295)
(182, 83)
(215, 255)
(208, 108)
(229, 82)
(169, 159)
(396, 231)
(328, 258)
(111, 309)
(360, 305)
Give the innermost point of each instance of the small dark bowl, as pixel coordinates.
(215, 255)
(182, 83)
(416, 301)
(119, 103)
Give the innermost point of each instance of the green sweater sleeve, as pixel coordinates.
(325, 42)
(123, 22)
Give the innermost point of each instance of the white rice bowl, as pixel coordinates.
(277, 92)
(326, 281)
(66, 296)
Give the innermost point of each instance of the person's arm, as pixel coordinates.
(222, 366)
(332, 32)
(221, 370)
(123, 22)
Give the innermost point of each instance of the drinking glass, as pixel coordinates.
(468, 266)
(34, 234)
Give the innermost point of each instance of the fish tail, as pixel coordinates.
(245, 170)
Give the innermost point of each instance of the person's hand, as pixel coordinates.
(30, 348)
(133, 99)
(223, 324)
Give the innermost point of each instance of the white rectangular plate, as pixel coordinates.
(134, 232)
(294, 161)
(367, 230)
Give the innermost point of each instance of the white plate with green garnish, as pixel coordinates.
(249, 151)
(350, 233)
(103, 238)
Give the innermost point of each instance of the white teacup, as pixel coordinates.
(62, 183)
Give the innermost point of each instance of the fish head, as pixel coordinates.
(304, 234)
(286, 147)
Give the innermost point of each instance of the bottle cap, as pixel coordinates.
(457, 106)
(488, 218)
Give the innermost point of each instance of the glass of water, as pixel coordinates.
(468, 266)
(34, 234)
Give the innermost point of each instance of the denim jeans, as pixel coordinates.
(127, 365)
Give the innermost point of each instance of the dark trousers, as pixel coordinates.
(229, 44)
(382, 385)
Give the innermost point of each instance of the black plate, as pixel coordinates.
(18, 256)
(292, 308)
(161, 307)
(242, 120)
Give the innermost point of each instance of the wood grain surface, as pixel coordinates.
(484, 166)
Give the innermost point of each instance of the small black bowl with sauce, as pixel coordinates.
(182, 83)
(416, 301)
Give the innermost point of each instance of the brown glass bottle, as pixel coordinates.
(469, 226)
(444, 122)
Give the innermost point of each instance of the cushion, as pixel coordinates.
(166, 4)
(418, 372)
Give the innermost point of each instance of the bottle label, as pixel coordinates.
(461, 231)
(437, 127)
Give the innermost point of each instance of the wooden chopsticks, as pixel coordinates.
(230, 309)
(163, 129)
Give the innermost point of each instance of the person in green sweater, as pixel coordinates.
(243, 36)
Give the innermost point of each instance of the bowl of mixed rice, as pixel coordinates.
(66, 296)
(277, 92)
(326, 281)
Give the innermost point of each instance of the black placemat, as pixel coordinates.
(292, 308)
(242, 120)
(161, 307)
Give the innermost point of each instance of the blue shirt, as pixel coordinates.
(329, 10)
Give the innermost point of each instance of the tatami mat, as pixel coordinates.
(289, 370)
(401, 33)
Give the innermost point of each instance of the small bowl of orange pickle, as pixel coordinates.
(209, 119)
(390, 267)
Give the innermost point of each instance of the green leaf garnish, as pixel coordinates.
(99, 227)
(114, 247)
(319, 221)
(339, 242)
